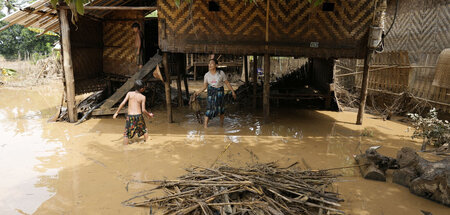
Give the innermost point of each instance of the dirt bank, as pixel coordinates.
(60, 168)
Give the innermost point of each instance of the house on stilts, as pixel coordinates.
(98, 49)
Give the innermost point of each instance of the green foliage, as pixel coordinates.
(431, 129)
(18, 39)
(367, 133)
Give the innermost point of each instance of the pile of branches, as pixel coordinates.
(258, 189)
(49, 68)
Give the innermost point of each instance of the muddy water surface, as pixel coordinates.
(60, 168)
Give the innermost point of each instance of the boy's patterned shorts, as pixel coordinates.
(135, 125)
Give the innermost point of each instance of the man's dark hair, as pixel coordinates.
(138, 84)
(136, 25)
(215, 60)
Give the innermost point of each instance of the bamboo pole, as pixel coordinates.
(246, 69)
(255, 78)
(167, 88)
(112, 8)
(266, 92)
(68, 68)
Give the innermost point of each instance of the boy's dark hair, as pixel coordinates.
(136, 25)
(215, 60)
(138, 84)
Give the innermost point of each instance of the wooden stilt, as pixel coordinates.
(365, 83)
(255, 78)
(167, 88)
(266, 92)
(186, 87)
(180, 67)
(68, 67)
(195, 73)
(245, 69)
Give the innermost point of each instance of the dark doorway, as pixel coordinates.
(151, 37)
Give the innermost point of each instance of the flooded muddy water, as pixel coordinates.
(62, 168)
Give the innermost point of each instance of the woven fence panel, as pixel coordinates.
(239, 27)
(390, 72)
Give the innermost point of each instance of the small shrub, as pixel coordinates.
(367, 133)
(433, 130)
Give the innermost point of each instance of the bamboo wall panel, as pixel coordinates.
(118, 37)
(86, 45)
(422, 28)
(395, 78)
(240, 27)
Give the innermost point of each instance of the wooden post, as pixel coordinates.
(180, 66)
(378, 21)
(195, 72)
(167, 88)
(365, 83)
(68, 68)
(246, 69)
(255, 78)
(266, 92)
(186, 87)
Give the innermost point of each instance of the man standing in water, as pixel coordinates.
(138, 44)
(135, 123)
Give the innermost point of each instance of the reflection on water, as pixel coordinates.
(60, 168)
(26, 155)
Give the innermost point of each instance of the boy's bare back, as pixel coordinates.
(135, 103)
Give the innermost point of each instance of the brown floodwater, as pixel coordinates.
(62, 168)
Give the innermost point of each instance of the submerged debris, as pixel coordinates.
(258, 189)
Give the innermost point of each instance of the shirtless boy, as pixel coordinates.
(136, 107)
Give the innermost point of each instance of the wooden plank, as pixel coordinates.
(106, 112)
(123, 90)
(68, 67)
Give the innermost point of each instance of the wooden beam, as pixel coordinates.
(266, 89)
(112, 8)
(68, 67)
(255, 78)
(125, 88)
(167, 88)
(246, 69)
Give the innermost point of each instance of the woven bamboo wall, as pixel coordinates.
(86, 46)
(394, 79)
(118, 38)
(422, 28)
(240, 27)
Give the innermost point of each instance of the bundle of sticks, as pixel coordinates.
(258, 189)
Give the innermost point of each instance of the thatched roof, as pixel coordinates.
(42, 15)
